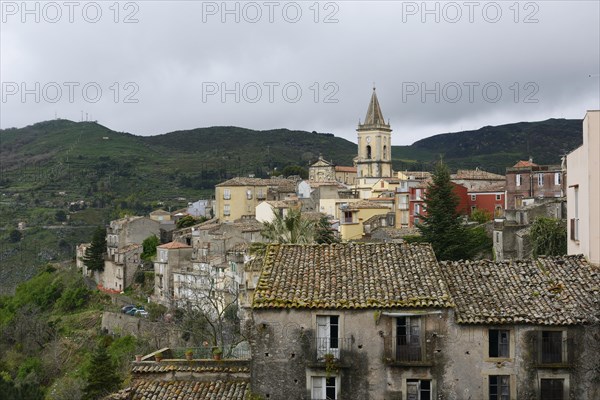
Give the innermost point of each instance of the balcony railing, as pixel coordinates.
(330, 345)
(405, 350)
(553, 351)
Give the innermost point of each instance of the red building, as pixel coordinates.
(490, 198)
(417, 201)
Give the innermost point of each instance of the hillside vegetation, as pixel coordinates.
(64, 178)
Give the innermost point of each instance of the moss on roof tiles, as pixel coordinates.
(351, 276)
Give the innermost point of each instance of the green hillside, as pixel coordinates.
(47, 166)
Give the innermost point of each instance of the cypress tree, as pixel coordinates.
(443, 225)
(94, 255)
(102, 376)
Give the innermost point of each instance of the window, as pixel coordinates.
(416, 221)
(417, 209)
(384, 152)
(499, 387)
(328, 335)
(540, 179)
(552, 389)
(418, 389)
(557, 178)
(473, 208)
(473, 197)
(347, 217)
(518, 179)
(552, 347)
(575, 221)
(499, 343)
(498, 197)
(368, 151)
(226, 209)
(226, 194)
(260, 194)
(249, 194)
(408, 339)
(497, 237)
(324, 388)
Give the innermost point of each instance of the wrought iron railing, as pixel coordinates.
(325, 347)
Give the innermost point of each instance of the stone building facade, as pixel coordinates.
(387, 321)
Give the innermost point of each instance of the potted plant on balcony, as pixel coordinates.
(217, 352)
(189, 354)
(158, 356)
(331, 366)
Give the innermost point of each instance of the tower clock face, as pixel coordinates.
(368, 139)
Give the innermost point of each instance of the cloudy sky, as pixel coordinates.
(151, 67)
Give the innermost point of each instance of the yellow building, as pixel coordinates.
(353, 215)
(238, 197)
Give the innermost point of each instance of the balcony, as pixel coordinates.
(322, 346)
(402, 350)
(553, 351)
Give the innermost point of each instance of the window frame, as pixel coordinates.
(510, 344)
(563, 351)
(512, 384)
(408, 325)
(549, 376)
(315, 376)
(407, 383)
(328, 325)
(226, 194)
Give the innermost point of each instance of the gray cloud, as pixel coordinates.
(177, 53)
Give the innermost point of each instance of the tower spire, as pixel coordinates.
(374, 115)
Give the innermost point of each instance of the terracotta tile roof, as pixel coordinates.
(477, 174)
(524, 164)
(274, 182)
(128, 248)
(350, 275)
(174, 245)
(184, 390)
(546, 291)
(357, 205)
(493, 187)
(160, 211)
(341, 168)
(162, 367)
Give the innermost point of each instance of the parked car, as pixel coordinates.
(127, 308)
(141, 313)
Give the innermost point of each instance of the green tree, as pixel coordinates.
(102, 376)
(14, 236)
(293, 228)
(189, 220)
(295, 170)
(60, 216)
(149, 247)
(323, 232)
(548, 237)
(443, 226)
(480, 215)
(94, 255)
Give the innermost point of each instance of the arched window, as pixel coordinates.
(368, 151)
(384, 152)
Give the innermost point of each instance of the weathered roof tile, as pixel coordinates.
(350, 275)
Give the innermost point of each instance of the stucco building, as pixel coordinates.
(387, 321)
(238, 197)
(527, 180)
(583, 192)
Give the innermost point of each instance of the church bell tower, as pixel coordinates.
(374, 144)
